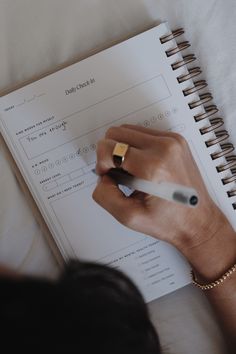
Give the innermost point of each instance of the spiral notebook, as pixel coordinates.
(51, 127)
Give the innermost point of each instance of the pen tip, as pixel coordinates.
(185, 199)
(193, 200)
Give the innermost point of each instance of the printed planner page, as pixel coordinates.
(52, 127)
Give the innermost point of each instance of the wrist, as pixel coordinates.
(214, 253)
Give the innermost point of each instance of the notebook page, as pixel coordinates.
(52, 126)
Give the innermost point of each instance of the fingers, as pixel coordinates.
(138, 128)
(152, 132)
(125, 210)
(140, 140)
(135, 138)
(133, 159)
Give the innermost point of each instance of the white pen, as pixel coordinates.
(166, 190)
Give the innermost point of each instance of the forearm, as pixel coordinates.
(210, 260)
(202, 234)
(223, 301)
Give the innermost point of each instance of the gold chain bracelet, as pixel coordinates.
(214, 283)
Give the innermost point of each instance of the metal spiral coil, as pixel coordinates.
(186, 60)
(209, 111)
(197, 86)
(172, 35)
(190, 75)
(221, 135)
(203, 98)
(180, 46)
(225, 149)
(215, 123)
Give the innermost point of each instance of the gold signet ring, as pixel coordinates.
(119, 153)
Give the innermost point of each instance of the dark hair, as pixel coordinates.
(91, 308)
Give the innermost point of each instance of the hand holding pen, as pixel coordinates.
(153, 157)
(202, 233)
(167, 190)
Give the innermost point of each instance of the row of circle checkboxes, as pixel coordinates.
(92, 147)
(148, 122)
(65, 159)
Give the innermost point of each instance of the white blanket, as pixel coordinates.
(36, 36)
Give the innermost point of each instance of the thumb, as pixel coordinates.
(126, 210)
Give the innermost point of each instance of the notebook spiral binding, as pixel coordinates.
(221, 135)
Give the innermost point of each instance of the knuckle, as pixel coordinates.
(175, 145)
(101, 148)
(152, 164)
(110, 132)
(180, 139)
(103, 157)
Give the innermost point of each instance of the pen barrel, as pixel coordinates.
(178, 193)
(166, 190)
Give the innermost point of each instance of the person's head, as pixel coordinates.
(91, 308)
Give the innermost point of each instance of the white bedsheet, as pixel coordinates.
(36, 36)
